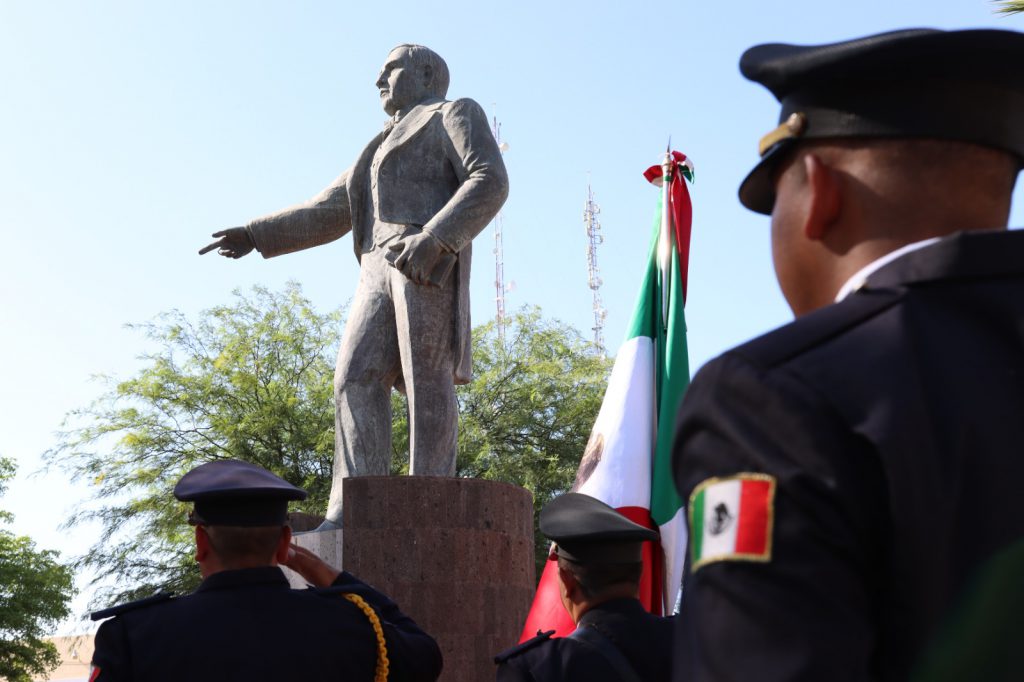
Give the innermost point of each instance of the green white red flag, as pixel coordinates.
(627, 464)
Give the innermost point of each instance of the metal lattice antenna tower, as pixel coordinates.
(499, 255)
(590, 213)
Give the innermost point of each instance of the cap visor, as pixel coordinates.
(757, 191)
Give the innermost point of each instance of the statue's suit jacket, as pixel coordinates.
(439, 169)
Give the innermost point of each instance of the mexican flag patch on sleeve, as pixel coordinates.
(731, 519)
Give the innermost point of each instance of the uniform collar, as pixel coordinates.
(245, 577)
(622, 606)
(961, 256)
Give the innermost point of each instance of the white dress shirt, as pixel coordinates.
(860, 277)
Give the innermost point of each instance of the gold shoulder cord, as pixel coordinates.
(381, 674)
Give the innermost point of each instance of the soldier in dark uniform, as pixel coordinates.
(851, 474)
(244, 622)
(599, 565)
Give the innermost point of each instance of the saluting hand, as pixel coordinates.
(233, 242)
(312, 568)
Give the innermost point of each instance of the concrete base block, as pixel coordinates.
(456, 554)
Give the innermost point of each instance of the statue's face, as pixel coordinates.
(402, 82)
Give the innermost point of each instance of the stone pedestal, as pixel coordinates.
(456, 554)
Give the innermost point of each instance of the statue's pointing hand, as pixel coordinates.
(233, 242)
(421, 258)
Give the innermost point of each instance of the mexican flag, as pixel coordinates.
(627, 464)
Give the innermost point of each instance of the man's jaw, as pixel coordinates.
(386, 102)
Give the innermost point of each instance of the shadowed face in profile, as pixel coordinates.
(404, 81)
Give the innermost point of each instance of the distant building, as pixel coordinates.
(75, 655)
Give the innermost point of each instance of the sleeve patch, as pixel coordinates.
(731, 519)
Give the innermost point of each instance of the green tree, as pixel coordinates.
(250, 380)
(35, 590)
(254, 381)
(1010, 6)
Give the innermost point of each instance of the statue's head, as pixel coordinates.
(411, 74)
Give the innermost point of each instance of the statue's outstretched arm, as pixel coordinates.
(322, 219)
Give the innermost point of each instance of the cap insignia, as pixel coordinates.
(793, 126)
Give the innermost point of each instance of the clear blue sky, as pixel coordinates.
(130, 131)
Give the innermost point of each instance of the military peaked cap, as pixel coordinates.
(965, 86)
(235, 493)
(588, 530)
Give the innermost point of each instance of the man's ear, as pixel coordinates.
(824, 187)
(281, 554)
(568, 582)
(202, 544)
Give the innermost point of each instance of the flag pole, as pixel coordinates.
(665, 238)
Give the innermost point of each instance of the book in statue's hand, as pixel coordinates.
(442, 269)
(440, 272)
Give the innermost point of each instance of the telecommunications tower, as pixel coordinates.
(499, 255)
(590, 213)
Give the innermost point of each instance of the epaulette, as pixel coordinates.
(131, 606)
(523, 646)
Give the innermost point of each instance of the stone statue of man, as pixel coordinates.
(415, 198)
